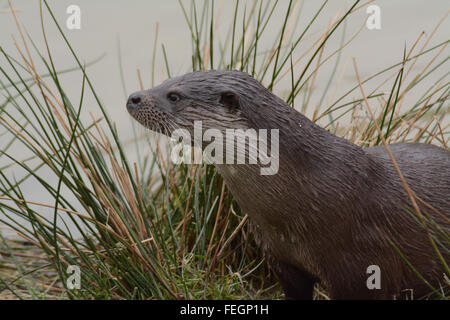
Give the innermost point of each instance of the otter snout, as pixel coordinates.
(135, 101)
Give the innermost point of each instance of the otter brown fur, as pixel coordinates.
(334, 208)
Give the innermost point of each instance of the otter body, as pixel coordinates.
(333, 209)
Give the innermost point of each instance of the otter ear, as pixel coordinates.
(230, 99)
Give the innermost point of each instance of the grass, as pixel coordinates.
(152, 230)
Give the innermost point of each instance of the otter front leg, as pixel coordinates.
(296, 284)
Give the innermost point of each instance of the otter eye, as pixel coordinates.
(174, 97)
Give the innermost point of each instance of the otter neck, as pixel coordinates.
(318, 172)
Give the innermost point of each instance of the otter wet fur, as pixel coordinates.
(334, 208)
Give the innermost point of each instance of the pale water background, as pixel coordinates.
(106, 22)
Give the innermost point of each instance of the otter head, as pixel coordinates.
(221, 102)
(220, 99)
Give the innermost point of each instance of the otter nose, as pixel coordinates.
(134, 100)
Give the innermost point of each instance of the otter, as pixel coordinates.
(333, 210)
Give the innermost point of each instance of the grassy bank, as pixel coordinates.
(152, 230)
